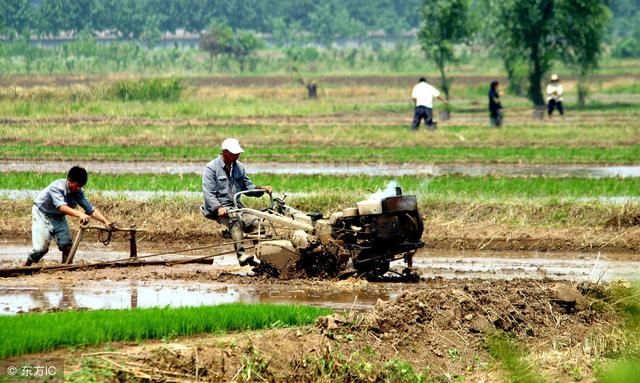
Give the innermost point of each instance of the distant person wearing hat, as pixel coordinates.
(554, 95)
(49, 209)
(423, 94)
(222, 178)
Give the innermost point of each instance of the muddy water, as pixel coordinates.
(502, 265)
(18, 295)
(474, 170)
(94, 295)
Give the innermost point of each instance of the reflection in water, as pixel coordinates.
(341, 296)
(133, 294)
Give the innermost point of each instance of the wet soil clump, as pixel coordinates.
(438, 329)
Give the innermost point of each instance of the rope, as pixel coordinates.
(105, 241)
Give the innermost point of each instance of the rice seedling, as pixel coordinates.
(441, 188)
(43, 332)
(314, 154)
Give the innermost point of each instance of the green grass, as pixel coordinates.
(44, 332)
(512, 358)
(619, 371)
(216, 107)
(623, 364)
(445, 187)
(633, 88)
(592, 131)
(169, 89)
(258, 105)
(545, 155)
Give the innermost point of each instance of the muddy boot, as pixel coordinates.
(237, 234)
(245, 259)
(65, 254)
(35, 257)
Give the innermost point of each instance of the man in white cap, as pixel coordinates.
(554, 95)
(423, 94)
(222, 178)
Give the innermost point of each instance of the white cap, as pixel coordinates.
(554, 77)
(232, 145)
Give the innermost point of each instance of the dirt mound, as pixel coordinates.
(524, 308)
(437, 328)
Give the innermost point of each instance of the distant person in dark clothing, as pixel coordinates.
(495, 106)
(423, 95)
(312, 90)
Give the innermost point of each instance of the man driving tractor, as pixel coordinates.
(222, 178)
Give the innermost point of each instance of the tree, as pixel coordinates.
(287, 34)
(444, 24)
(329, 20)
(220, 39)
(55, 16)
(494, 33)
(539, 32)
(244, 44)
(534, 37)
(216, 41)
(583, 29)
(15, 16)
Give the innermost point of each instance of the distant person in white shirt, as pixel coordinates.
(423, 95)
(554, 96)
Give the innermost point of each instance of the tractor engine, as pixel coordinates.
(362, 240)
(378, 232)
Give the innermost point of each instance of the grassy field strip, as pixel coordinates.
(225, 102)
(443, 187)
(618, 131)
(367, 154)
(43, 332)
(318, 201)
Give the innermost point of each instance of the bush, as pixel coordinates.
(302, 54)
(168, 89)
(627, 48)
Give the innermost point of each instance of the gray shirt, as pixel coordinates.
(58, 194)
(219, 189)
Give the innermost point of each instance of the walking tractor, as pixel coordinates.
(361, 240)
(289, 243)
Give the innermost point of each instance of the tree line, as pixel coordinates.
(288, 21)
(528, 36)
(132, 19)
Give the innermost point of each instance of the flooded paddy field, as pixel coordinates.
(225, 282)
(537, 298)
(543, 271)
(379, 169)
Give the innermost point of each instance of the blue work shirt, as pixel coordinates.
(219, 188)
(57, 194)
